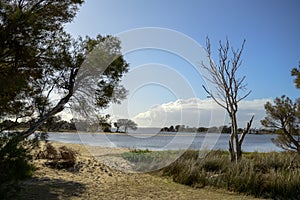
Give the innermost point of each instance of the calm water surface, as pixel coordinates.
(149, 138)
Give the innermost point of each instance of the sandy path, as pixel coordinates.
(97, 181)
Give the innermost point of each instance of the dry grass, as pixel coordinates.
(268, 175)
(97, 181)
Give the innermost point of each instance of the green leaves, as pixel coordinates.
(45, 70)
(126, 124)
(296, 72)
(284, 114)
(28, 30)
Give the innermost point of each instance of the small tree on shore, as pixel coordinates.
(104, 123)
(117, 126)
(228, 86)
(284, 115)
(126, 124)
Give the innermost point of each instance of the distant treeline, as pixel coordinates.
(56, 124)
(53, 124)
(214, 129)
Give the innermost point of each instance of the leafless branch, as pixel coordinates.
(246, 131)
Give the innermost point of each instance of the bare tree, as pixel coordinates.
(227, 94)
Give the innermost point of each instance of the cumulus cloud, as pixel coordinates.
(197, 112)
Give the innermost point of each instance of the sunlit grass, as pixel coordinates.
(269, 175)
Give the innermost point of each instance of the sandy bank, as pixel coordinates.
(95, 180)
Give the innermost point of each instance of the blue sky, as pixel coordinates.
(271, 29)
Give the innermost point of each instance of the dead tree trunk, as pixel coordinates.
(228, 85)
(236, 153)
(241, 139)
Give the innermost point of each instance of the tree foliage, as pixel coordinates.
(44, 70)
(228, 87)
(284, 114)
(15, 162)
(126, 124)
(40, 61)
(296, 72)
(105, 123)
(30, 32)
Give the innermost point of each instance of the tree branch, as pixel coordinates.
(212, 96)
(246, 131)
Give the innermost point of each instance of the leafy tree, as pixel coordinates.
(44, 70)
(126, 124)
(29, 34)
(177, 128)
(284, 114)
(104, 123)
(213, 129)
(202, 129)
(40, 61)
(172, 129)
(165, 129)
(226, 129)
(228, 86)
(296, 72)
(117, 126)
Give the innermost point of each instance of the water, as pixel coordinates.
(151, 139)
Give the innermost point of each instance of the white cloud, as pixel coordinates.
(198, 112)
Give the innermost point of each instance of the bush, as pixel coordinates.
(61, 158)
(14, 161)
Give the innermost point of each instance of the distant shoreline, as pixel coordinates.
(158, 133)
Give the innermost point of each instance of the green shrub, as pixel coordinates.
(14, 161)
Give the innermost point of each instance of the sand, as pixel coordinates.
(96, 180)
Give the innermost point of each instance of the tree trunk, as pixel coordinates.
(231, 148)
(234, 148)
(56, 109)
(239, 152)
(232, 139)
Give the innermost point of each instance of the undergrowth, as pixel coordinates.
(268, 175)
(274, 175)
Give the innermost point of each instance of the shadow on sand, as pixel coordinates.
(45, 188)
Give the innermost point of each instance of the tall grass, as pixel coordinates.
(268, 175)
(146, 160)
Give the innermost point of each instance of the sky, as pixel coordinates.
(165, 85)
